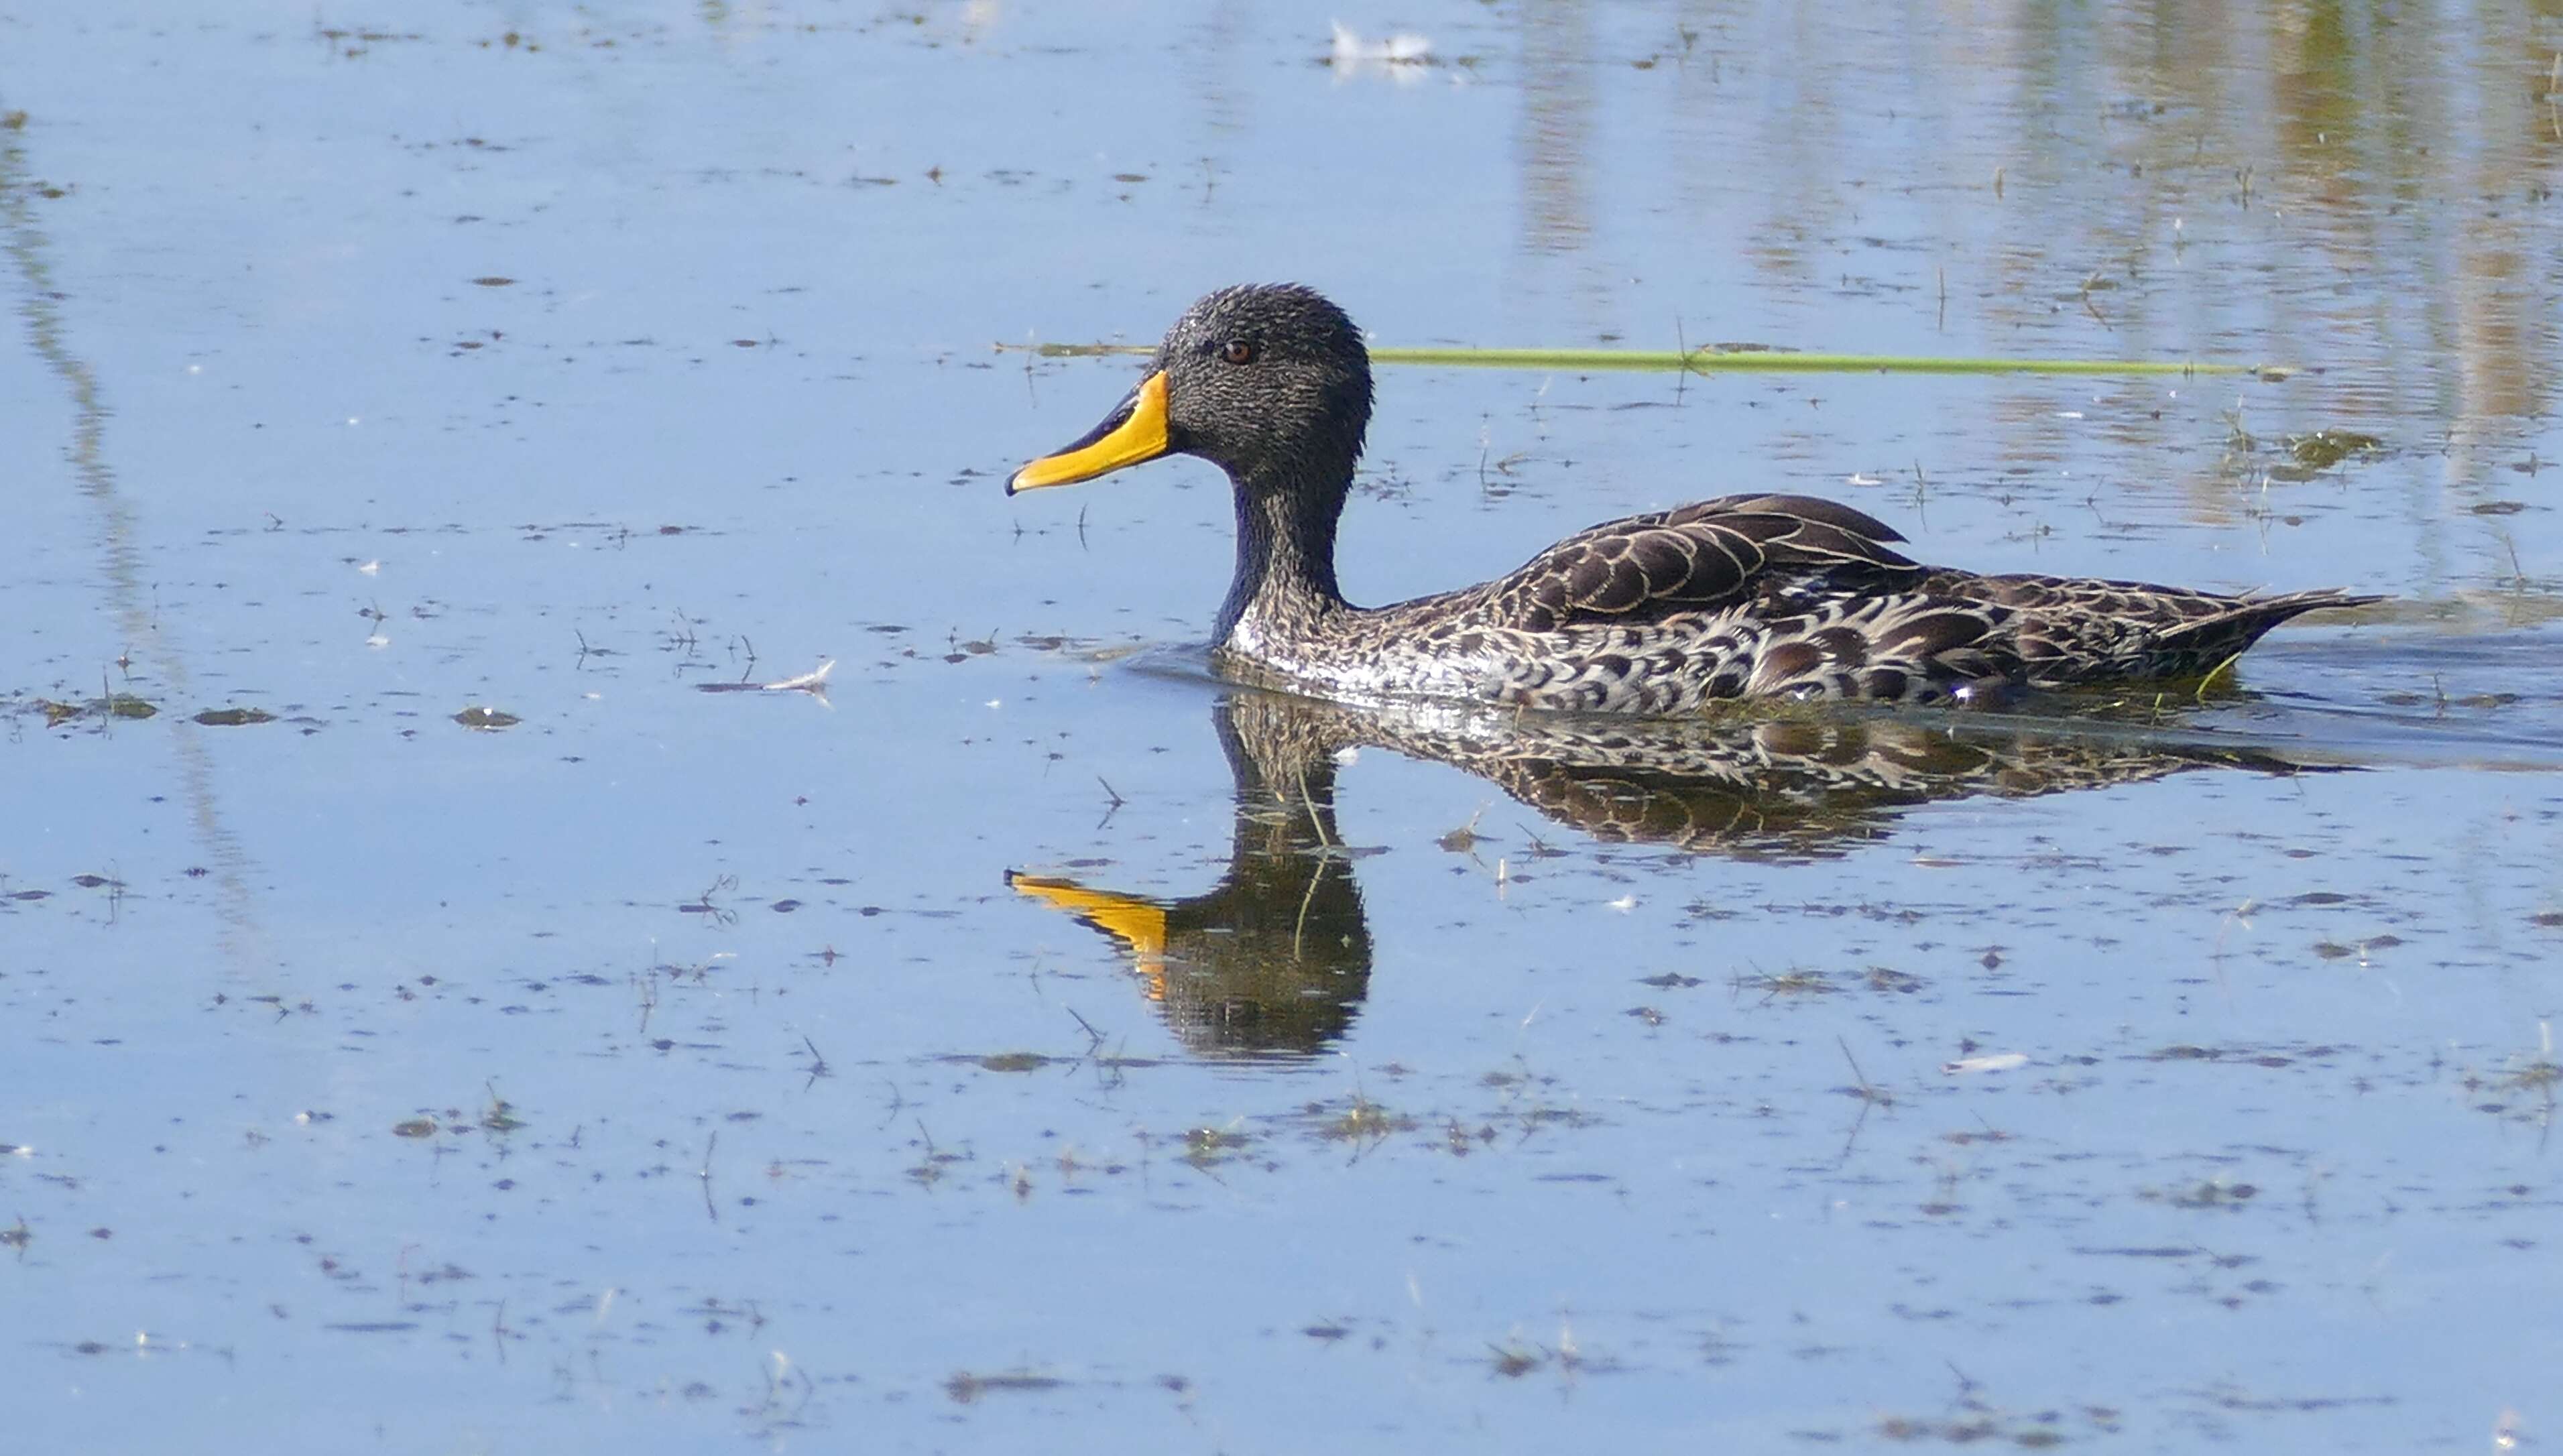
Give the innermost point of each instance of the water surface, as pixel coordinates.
(1034, 1043)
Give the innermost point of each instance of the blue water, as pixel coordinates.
(674, 1070)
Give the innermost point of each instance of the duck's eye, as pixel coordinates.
(1237, 351)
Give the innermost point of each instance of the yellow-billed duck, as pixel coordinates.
(1742, 597)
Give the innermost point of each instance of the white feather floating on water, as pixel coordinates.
(1998, 1062)
(810, 682)
(814, 683)
(1402, 49)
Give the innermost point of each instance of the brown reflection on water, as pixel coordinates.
(1276, 959)
(1554, 147)
(2362, 189)
(1211, 63)
(154, 657)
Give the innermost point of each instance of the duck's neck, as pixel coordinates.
(1286, 561)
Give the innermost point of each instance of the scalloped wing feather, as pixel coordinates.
(1694, 558)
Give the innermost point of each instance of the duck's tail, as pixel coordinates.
(2209, 643)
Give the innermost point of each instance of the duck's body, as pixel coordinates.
(1742, 597)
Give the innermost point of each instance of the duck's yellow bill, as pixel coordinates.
(1136, 431)
(1134, 922)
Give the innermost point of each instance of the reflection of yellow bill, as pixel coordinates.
(1136, 923)
(1136, 431)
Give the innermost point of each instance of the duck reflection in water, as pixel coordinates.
(1275, 959)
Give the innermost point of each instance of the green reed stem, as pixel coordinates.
(1733, 361)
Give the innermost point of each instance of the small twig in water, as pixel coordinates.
(1869, 1091)
(704, 1174)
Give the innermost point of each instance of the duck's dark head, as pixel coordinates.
(1270, 382)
